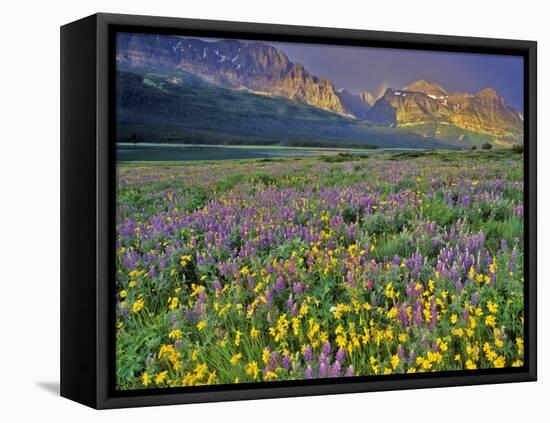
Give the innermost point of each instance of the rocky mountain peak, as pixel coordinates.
(487, 92)
(367, 97)
(254, 66)
(428, 88)
(423, 104)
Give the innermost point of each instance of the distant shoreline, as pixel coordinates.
(272, 147)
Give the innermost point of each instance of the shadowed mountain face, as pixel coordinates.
(424, 108)
(182, 108)
(356, 105)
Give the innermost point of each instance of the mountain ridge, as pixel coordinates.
(255, 66)
(485, 113)
(181, 109)
(262, 69)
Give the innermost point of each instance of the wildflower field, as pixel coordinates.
(267, 270)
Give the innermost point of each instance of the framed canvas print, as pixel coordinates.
(255, 211)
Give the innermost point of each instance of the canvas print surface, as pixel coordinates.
(290, 211)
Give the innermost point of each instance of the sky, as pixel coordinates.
(375, 69)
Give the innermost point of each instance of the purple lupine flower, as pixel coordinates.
(298, 287)
(326, 348)
(466, 314)
(458, 287)
(417, 314)
(285, 363)
(401, 352)
(290, 303)
(279, 284)
(512, 261)
(412, 357)
(340, 355)
(323, 370)
(322, 358)
(503, 245)
(218, 286)
(349, 371)
(162, 264)
(308, 354)
(273, 360)
(190, 315)
(308, 374)
(123, 310)
(403, 314)
(269, 298)
(433, 313)
(336, 369)
(291, 267)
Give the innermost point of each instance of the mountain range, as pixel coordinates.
(422, 108)
(427, 108)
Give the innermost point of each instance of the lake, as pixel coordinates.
(159, 152)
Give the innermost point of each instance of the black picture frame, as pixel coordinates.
(87, 209)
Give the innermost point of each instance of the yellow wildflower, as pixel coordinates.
(175, 334)
(173, 303)
(395, 361)
(266, 355)
(270, 376)
(161, 377)
(238, 338)
(519, 343)
(137, 306)
(499, 362)
(254, 333)
(295, 326)
(235, 358)
(145, 380)
(492, 307)
(252, 369)
(493, 266)
(490, 321)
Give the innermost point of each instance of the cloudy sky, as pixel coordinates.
(375, 69)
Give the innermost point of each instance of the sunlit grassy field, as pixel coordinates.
(264, 270)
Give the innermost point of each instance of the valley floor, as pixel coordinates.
(261, 270)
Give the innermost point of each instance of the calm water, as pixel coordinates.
(128, 152)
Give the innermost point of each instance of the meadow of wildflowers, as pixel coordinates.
(249, 271)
